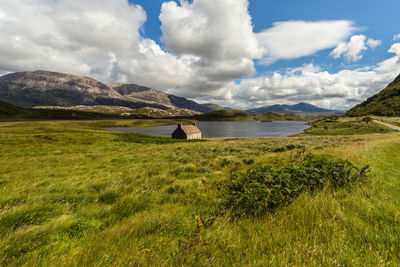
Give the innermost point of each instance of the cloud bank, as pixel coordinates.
(210, 50)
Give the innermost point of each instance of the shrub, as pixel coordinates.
(266, 188)
(367, 119)
(248, 161)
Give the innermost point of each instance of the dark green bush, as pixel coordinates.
(264, 189)
(248, 161)
(367, 119)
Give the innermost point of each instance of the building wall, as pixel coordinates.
(180, 134)
(194, 136)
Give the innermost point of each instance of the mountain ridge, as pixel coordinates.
(44, 88)
(297, 108)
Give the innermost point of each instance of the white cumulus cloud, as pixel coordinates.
(395, 49)
(218, 34)
(72, 36)
(354, 49)
(295, 39)
(212, 29)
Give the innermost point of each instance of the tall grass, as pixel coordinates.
(72, 193)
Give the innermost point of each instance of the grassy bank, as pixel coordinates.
(72, 193)
(345, 126)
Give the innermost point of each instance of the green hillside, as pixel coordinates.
(224, 115)
(214, 107)
(9, 112)
(274, 116)
(239, 115)
(385, 103)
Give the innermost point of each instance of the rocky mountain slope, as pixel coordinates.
(385, 103)
(156, 97)
(44, 88)
(298, 108)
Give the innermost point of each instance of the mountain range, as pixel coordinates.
(52, 90)
(297, 109)
(44, 88)
(385, 103)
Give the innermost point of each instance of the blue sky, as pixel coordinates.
(237, 53)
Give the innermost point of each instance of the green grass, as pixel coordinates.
(345, 126)
(74, 194)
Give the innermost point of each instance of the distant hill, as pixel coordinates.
(273, 116)
(298, 108)
(239, 115)
(224, 115)
(214, 107)
(385, 103)
(44, 88)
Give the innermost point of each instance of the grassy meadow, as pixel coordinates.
(75, 194)
(336, 125)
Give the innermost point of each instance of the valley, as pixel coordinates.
(74, 193)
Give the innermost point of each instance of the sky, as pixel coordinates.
(237, 53)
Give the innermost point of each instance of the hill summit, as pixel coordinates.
(385, 103)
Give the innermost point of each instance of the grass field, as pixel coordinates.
(74, 194)
(347, 126)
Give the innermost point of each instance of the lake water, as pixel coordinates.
(228, 129)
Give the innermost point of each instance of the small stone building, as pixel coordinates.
(187, 132)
